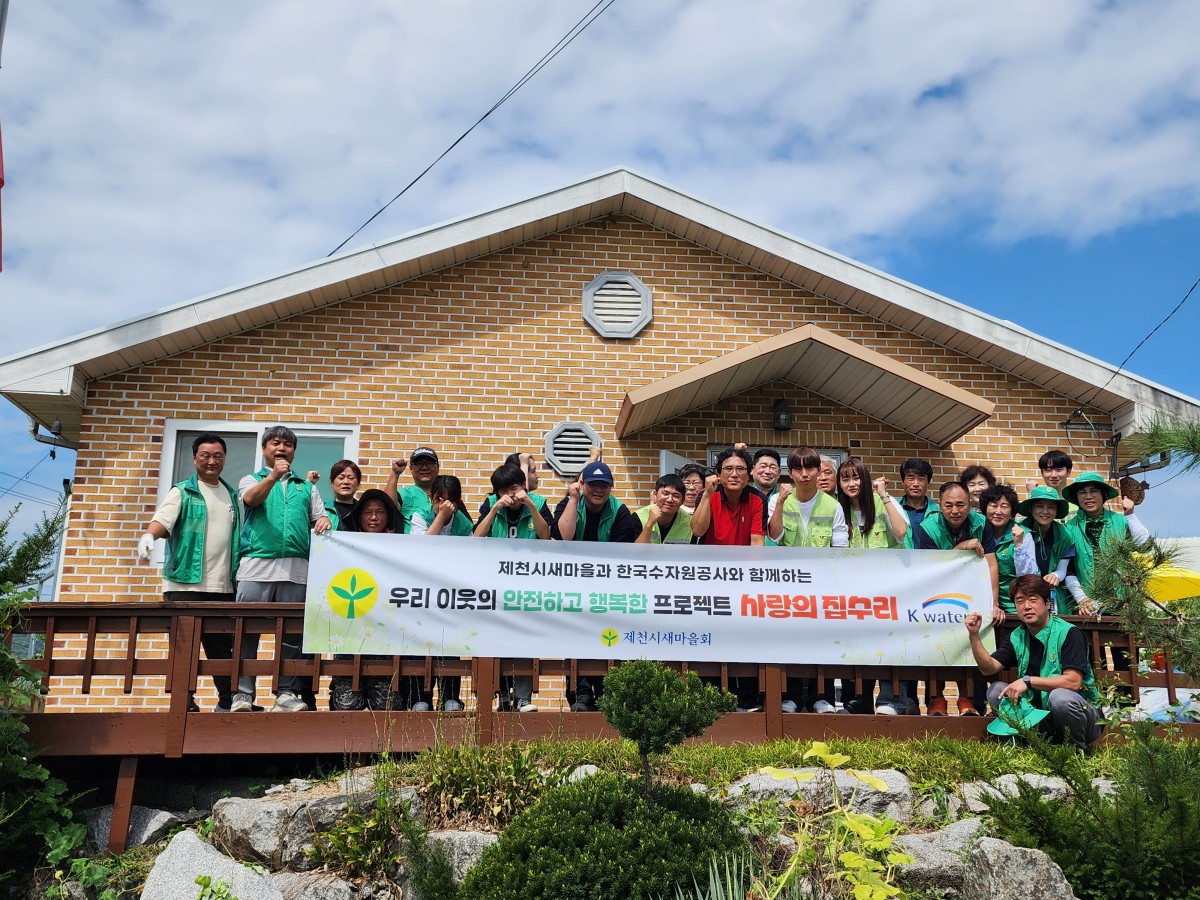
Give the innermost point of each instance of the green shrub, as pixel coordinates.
(657, 708)
(1141, 842)
(603, 838)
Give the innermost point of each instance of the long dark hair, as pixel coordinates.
(865, 494)
(449, 487)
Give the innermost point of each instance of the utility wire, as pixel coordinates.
(1096, 392)
(44, 487)
(575, 31)
(8, 489)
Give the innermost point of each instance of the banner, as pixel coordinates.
(421, 595)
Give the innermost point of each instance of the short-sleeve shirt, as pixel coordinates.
(291, 568)
(733, 526)
(1074, 655)
(218, 526)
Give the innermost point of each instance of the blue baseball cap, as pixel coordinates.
(597, 471)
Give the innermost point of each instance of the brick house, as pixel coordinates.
(617, 309)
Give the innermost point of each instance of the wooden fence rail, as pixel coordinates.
(174, 732)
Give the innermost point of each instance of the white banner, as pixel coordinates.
(446, 596)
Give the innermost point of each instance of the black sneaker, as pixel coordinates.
(504, 705)
(584, 703)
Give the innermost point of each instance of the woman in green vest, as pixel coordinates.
(875, 522)
(450, 517)
(1014, 546)
(1053, 547)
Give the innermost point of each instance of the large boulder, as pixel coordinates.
(996, 870)
(1049, 787)
(462, 848)
(276, 832)
(939, 857)
(896, 802)
(146, 826)
(314, 886)
(187, 857)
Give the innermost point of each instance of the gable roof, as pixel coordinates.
(33, 380)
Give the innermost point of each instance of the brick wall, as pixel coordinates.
(484, 358)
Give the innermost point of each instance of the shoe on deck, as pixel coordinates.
(524, 704)
(937, 706)
(886, 709)
(241, 703)
(584, 703)
(286, 701)
(452, 706)
(823, 706)
(966, 707)
(421, 706)
(788, 706)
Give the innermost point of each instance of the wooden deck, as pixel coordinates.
(172, 732)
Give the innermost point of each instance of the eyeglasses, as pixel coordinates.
(734, 471)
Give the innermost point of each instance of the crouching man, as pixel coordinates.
(1050, 656)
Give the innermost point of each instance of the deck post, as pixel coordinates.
(118, 830)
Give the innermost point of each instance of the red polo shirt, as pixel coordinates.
(732, 526)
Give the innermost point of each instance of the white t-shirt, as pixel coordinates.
(841, 534)
(218, 524)
(291, 568)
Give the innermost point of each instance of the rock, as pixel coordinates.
(973, 793)
(996, 870)
(1107, 787)
(1050, 788)
(896, 802)
(462, 848)
(314, 886)
(295, 786)
(939, 856)
(581, 772)
(182, 794)
(146, 826)
(276, 833)
(949, 808)
(187, 857)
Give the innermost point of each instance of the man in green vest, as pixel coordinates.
(199, 518)
(281, 507)
(589, 512)
(414, 499)
(1051, 660)
(663, 521)
(803, 515)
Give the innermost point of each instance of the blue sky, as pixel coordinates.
(1036, 161)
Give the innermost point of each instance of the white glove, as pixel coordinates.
(145, 546)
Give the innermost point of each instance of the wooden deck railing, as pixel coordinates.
(173, 732)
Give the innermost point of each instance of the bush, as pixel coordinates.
(1141, 842)
(603, 838)
(657, 708)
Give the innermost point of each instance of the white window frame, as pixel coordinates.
(225, 427)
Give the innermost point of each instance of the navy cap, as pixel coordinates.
(423, 453)
(597, 471)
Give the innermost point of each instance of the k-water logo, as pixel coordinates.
(352, 593)
(944, 609)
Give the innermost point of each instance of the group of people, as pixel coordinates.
(252, 543)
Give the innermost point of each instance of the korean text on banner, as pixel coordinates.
(444, 596)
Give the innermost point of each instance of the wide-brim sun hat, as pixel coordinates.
(1015, 718)
(1041, 492)
(1093, 479)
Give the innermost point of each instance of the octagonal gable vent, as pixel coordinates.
(617, 305)
(568, 446)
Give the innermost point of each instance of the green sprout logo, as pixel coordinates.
(609, 636)
(352, 593)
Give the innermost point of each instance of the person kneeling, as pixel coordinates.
(1050, 656)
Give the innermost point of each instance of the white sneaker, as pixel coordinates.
(452, 706)
(886, 709)
(421, 706)
(524, 704)
(788, 706)
(286, 701)
(241, 703)
(823, 706)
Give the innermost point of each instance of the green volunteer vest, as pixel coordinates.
(766, 506)
(910, 538)
(334, 519)
(934, 524)
(879, 537)
(820, 524)
(413, 500)
(1114, 527)
(1059, 541)
(1006, 564)
(680, 531)
(607, 517)
(279, 527)
(1052, 637)
(525, 529)
(184, 562)
(460, 525)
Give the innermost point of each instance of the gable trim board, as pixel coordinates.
(73, 362)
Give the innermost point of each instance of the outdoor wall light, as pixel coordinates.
(781, 416)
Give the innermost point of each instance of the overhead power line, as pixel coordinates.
(8, 490)
(565, 41)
